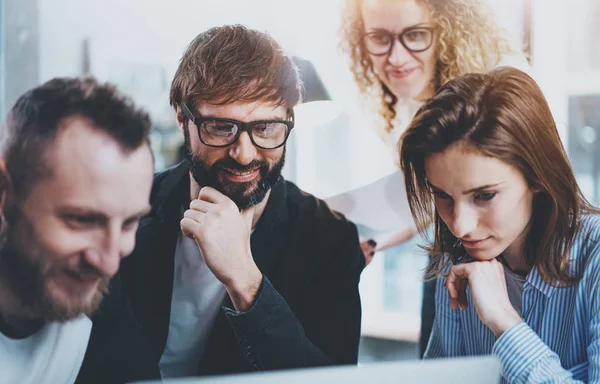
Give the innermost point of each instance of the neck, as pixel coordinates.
(515, 261)
(16, 320)
(258, 208)
(413, 103)
(515, 256)
(425, 94)
(194, 188)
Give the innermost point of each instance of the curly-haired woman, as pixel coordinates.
(401, 52)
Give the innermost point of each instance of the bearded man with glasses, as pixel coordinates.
(236, 269)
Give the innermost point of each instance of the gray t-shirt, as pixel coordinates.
(514, 286)
(195, 303)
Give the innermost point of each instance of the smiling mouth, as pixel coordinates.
(400, 74)
(240, 173)
(241, 176)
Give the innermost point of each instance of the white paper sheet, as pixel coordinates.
(381, 206)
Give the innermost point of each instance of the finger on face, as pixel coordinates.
(212, 196)
(203, 206)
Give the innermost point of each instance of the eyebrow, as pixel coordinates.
(97, 215)
(269, 118)
(472, 190)
(418, 25)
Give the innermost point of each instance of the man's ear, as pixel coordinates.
(5, 185)
(179, 116)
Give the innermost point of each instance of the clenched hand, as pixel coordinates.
(222, 233)
(487, 283)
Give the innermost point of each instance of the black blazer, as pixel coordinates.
(117, 351)
(308, 309)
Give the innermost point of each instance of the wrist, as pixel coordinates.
(505, 323)
(243, 289)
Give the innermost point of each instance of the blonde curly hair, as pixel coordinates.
(468, 40)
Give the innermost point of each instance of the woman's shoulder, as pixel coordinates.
(589, 229)
(585, 249)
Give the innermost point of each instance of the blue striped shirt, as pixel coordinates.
(558, 340)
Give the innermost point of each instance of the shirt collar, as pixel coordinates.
(535, 280)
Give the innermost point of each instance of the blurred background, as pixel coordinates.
(137, 45)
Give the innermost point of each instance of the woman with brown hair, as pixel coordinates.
(516, 245)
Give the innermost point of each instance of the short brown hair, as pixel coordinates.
(36, 118)
(504, 115)
(234, 63)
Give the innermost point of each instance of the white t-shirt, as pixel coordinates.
(197, 298)
(53, 355)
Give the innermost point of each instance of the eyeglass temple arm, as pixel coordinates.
(187, 111)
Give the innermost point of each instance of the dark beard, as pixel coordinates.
(238, 192)
(23, 271)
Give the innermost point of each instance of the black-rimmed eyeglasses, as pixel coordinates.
(218, 132)
(414, 39)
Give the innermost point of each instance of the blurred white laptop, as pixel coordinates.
(472, 370)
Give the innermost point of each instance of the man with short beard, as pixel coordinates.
(236, 269)
(75, 178)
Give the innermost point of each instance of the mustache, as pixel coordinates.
(229, 163)
(87, 272)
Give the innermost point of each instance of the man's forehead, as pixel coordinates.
(78, 131)
(80, 142)
(105, 200)
(88, 168)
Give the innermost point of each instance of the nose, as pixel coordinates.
(398, 54)
(243, 151)
(111, 248)
(464, 221)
